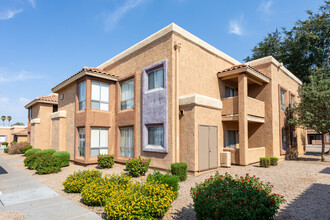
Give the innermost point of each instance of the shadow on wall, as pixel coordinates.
(313, 203)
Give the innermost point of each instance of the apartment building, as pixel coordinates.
(39, 130)
(174, 98)
(12, 133)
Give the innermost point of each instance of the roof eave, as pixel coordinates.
(248, 70)
(39, 101)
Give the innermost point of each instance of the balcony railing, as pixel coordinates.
(254, 107)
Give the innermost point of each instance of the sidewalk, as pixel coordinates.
(21, 192)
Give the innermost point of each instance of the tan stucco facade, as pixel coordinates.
(10, 134)
(195, 99)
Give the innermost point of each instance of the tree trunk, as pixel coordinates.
(323, 148)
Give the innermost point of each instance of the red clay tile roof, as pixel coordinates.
(235, 67)
(50, 98)
(22, 132)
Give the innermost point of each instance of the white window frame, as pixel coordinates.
(101, 149)
(227, 145)
(82, 96)
(149, 73)
(82, 141)
(131, 99)
(101, 102)
(292, 100)
(282, 99)
(152, 145)
(127, 144)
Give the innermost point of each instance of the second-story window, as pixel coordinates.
(156, 78)
(230, 92)
(55, 108)
(283, 99)
(82, 96)
(292, 100)
(100, 96)
(127, 95)
(30, 114)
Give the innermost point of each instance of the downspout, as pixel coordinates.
(177, 47)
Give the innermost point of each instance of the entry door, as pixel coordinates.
(208, 147)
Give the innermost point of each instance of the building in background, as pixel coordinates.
(13, 133)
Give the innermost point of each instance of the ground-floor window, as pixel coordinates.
(99, 141)
(81, 147)
(231, 138)
(284, 141)
(328, 137)
(127, 142)
(156, 135)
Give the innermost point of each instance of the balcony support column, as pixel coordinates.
(242, 119)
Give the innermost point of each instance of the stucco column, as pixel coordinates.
(242, 119)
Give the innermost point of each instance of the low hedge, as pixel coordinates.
(76, 181)
(32, 151)
(171, 180)
(17, 147)
(64, 156)
(143, 200)
(49, 151)
(180, 170)
(46, 163)
(264, 162)
(5, 144)
(30, 160)
(226, 197)
(98, 192)
(105, 161)
(273, 161)
(6, 150)
(25, 148)
(137, 167)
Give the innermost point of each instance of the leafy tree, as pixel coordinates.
(313, 110)
(290, 127)
(18, 123)
(301, 49)
(3, 118)
(9, 119)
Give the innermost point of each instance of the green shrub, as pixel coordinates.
(12, 143)
(147, 200)
(105, 161)
(17, 147)
(75, 182)
(64, 156)
(223, 197)
(5, 150)
(137, 167)
(49, 151)
(29, 161)
(32, 151)
(264, 162)
(5, 144)
(98, 192)
(180, 170)
(47, 163)
(273, 161)
(171, 180)
(25, 148)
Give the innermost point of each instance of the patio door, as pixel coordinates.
(207, 147)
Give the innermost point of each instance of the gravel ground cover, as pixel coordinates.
(12, 215)
(305, 184)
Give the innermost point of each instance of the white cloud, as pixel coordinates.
(265, 7)
(23, 101)
(32, 3)
(4, 100)
(235, 27)
(113, 18)
(8, 14)
(20, 76)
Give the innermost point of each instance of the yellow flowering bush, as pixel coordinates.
(75, 182)
(143, 200)
(97, 192)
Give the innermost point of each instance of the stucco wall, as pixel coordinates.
(7, 132)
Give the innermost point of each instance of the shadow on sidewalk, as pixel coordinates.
(2, 170)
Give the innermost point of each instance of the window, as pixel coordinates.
(284, 142)
(81, 147)
(99, 141)
(156, 135)
(55, 108)
(100, 96)
(3, 138)
(127, 142)
(156, 78)
(292, 100)
(230, 92)
(328, 137)
(127, 95)
(82, 96)
(231, 138)
(283, 99)
(30, 114)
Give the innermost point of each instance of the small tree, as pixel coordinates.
(3, 118)
(313, 110)
(9, 119)
(290, 127)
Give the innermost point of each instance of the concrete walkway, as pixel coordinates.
(21, 192)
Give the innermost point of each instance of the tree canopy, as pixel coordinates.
(302, 48)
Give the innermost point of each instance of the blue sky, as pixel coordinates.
(42, 42)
